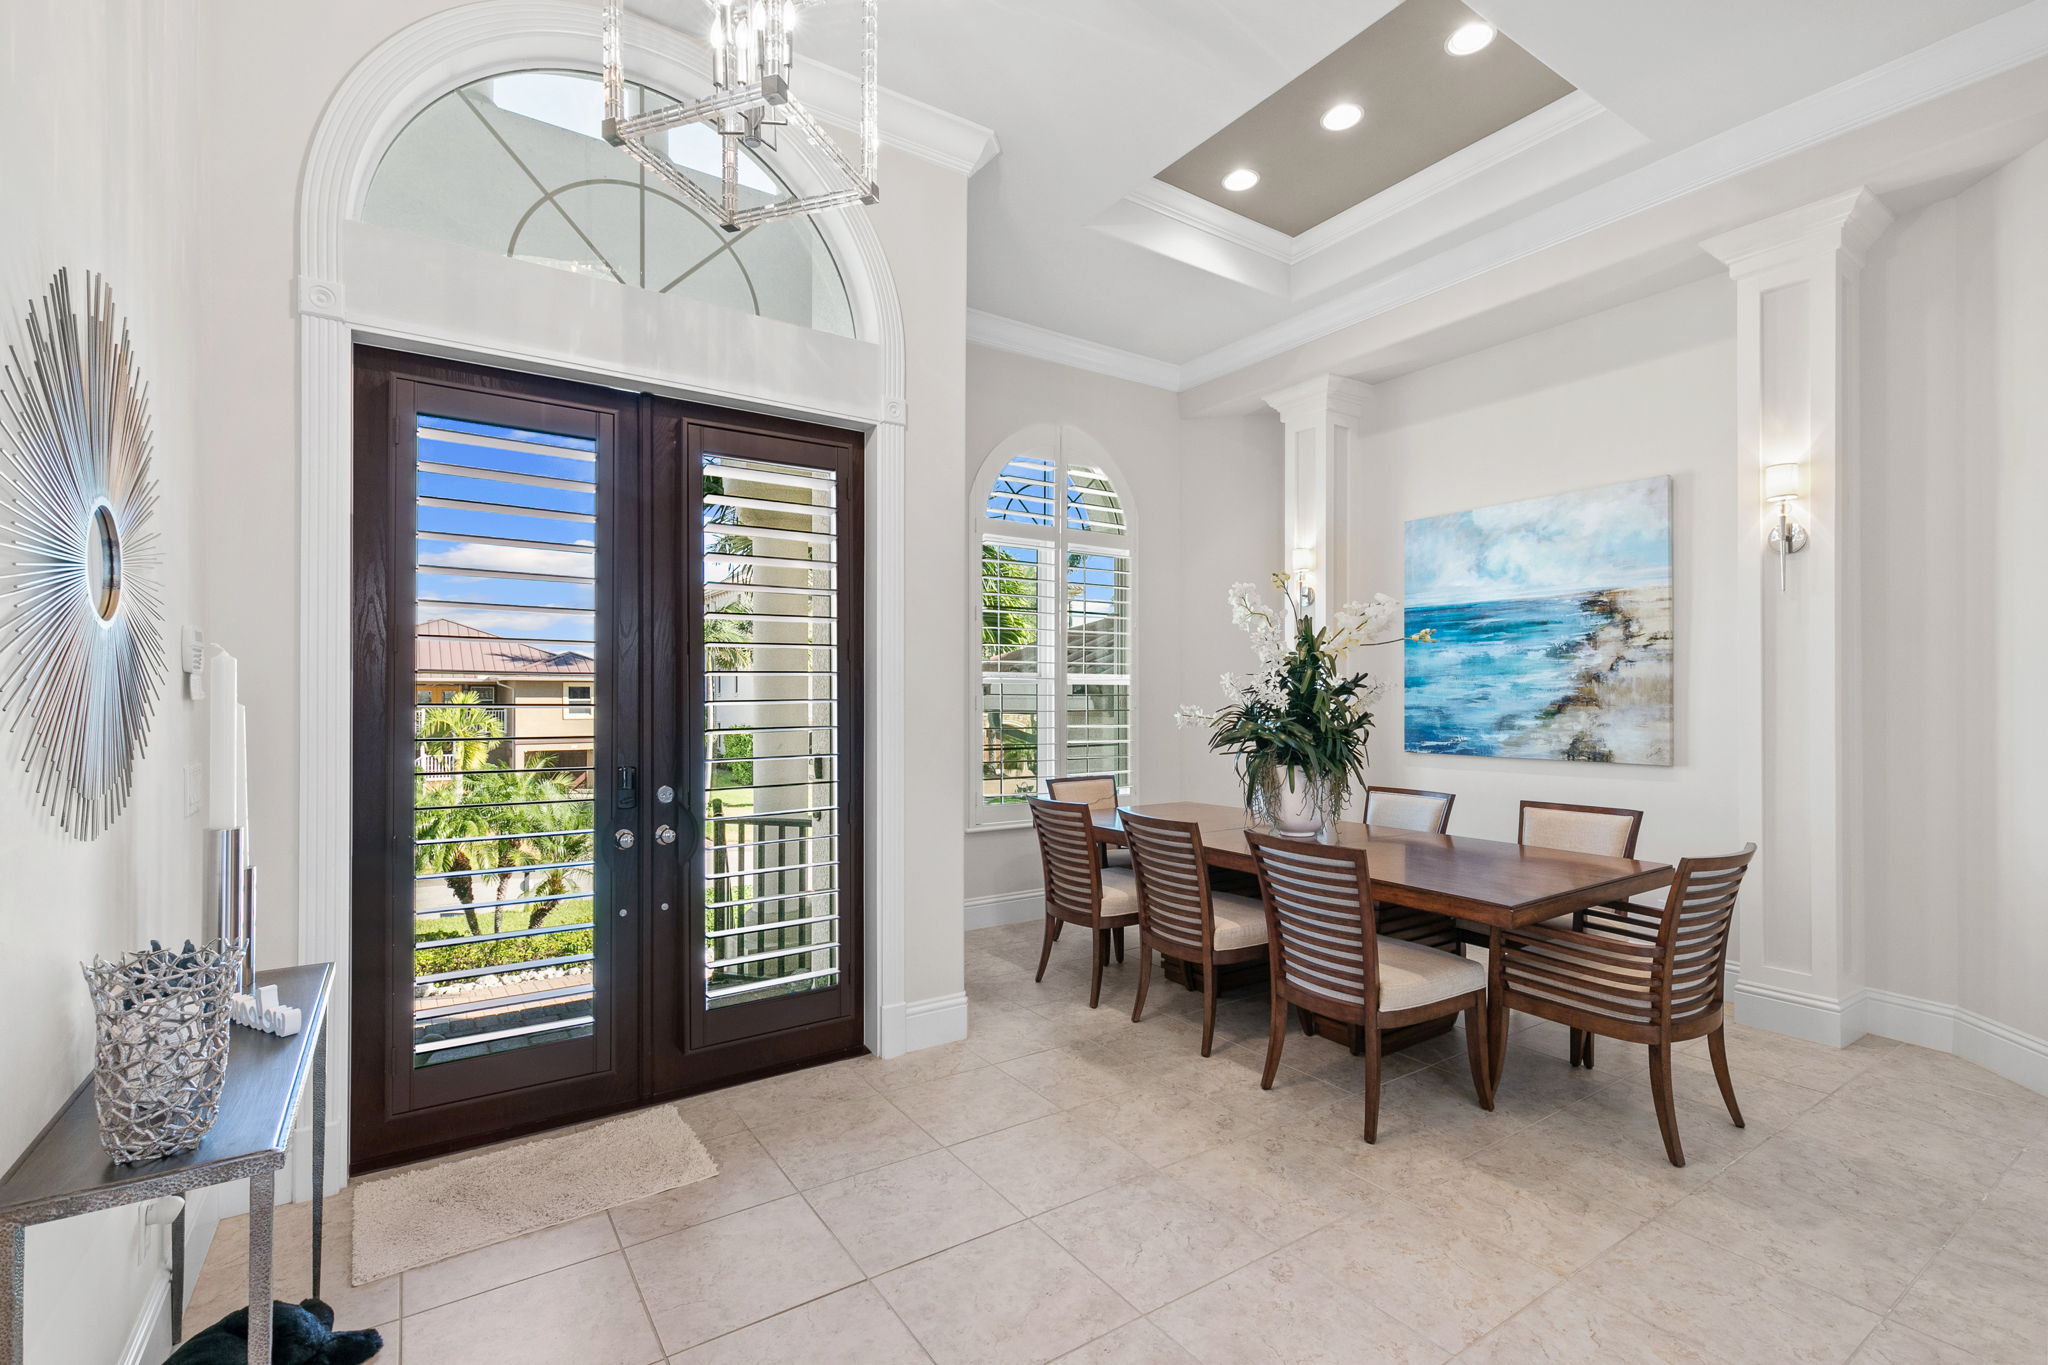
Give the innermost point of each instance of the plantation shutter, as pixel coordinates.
(1054, 644)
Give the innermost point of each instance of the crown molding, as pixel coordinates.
(1191, 210)
(1040, 343)
(1519, 138)
(1976, 54)
(1562, 140)
(908, 125)
(1312, 399)
(1844, 224)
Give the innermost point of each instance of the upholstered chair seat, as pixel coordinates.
(1240, 921)
(1119, 892)
(1412, 975)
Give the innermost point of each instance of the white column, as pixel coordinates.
(1320, 416)
(1795, 328)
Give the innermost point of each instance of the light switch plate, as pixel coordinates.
(192, 659)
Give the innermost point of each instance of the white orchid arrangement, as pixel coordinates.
(1299, 713)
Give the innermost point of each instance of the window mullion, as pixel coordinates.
(1055, 671)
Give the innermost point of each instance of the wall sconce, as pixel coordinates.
(1785, 484)
(1304, 563)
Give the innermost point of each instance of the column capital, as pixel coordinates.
(1843, 225)
(1325, 395)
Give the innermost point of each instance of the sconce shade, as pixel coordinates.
(1784, 482)
(1304, 559)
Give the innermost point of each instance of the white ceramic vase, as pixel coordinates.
(1298, 805)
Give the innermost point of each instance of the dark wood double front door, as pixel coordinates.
(607, 725)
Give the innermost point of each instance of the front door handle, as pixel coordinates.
(663, 834)
(624, 838)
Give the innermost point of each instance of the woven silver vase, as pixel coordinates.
(161, 1018)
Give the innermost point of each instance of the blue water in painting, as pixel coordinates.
(1493, 668)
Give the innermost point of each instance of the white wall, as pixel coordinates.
(1204, 501)
(1639, 390)
(1955, 426)
(96, 111)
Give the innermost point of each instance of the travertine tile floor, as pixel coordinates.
(1067, 1185)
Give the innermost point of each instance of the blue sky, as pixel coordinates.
(572, 627)
(1615, 536)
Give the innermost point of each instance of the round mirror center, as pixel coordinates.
(103, 563)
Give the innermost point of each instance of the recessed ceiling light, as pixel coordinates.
(1338, 117)
(1467, 39)
(1240, 179)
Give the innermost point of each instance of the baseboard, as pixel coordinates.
(1998, 1048)
(1908, 1019)
(150, 1338)
(928, 1023)
(1796, 1014)
(1013, 907)
(908, 1026)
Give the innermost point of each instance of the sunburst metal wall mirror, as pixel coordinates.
(82, 654)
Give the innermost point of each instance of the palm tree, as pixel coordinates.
(472, 814)
(454, 742)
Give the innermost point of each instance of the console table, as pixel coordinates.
(65, 1171)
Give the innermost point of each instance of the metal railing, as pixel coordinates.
(766, 884)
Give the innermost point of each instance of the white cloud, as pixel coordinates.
(510, 558)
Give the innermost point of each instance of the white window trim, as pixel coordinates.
(1070, 446)
(579, 710)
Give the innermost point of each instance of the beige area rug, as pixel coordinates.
(434, 1212)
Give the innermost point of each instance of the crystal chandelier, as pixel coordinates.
(751, 53)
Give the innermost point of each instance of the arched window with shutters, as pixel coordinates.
(1054, 640)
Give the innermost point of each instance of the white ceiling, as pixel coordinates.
(1088, 98)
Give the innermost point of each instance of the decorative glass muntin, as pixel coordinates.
(515, 164)
(752, 49)
(82, 652)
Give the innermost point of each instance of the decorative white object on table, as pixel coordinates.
(263, 1012)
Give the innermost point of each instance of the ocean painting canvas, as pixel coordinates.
(1552, 626)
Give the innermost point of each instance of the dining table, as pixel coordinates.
(1487, 884)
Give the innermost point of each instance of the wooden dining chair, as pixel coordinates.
(1408, 808)
(1181, 917)
(1609, 830)
(1079, 889)
(1330, 960)
(1651, 976)
(1098, 791)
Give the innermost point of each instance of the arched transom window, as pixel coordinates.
(515, 164)
(1055, 621)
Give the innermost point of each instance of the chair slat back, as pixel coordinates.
(1408, 808)
(1319, 924)
(1066, 848)
(1693, 939)
(1097, 791)
(1173, 886)
(1610, 830)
